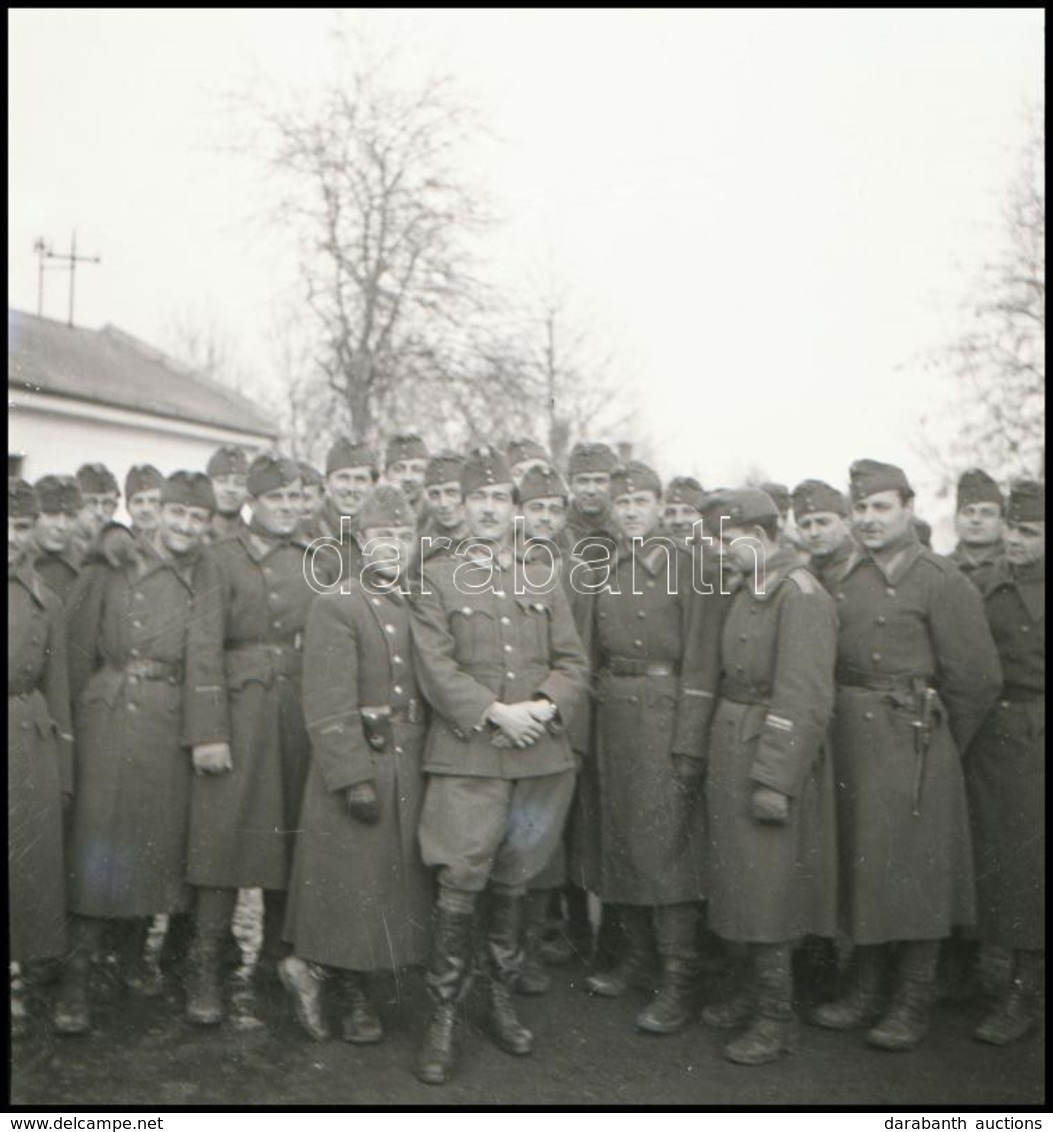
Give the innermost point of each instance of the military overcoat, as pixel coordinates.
(1006, 767)
(58, 571)
(127, 639)
(39, 767)
(767, 882)
(359, 895)
(909, 619)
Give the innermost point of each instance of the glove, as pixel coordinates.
(689, 771)
(212, 758)
(362, 803)
(768, 805)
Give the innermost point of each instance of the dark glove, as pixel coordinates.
(768, 805)
(363, 804)
(689, 771)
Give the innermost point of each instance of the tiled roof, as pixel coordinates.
(109, 367)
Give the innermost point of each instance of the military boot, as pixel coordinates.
(1018, 1007)
(533, 978)
(858, 1005)
(505, 954)
(361, 1026)
(740, 1005)
(144, 976)
(19, 1010)
(71, 1009)
(204, 1000)
(637, 957)
(906, 1021)
(676, 1003)
(771, 1031)
(449, 977)
(303, 980)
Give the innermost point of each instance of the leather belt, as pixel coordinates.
(282, 659)
(630, 666)
(877, 681)
(143, 668)
(744, 693)
(412, 711)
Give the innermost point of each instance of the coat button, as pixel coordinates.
(133, 707)
(641, 613)
(868, 715)
(840, 597)
(397, 689)
(506, 621)
(396, 660)
(1025, 629)
(743, 637)
(875, 656)
(638, 644)
(880, 620)
(138, 595)
(137, 624)
(891, 591)
(389, 628)
(510, 675)
(499, 593)
(508, 648)
(398, 751)
(376, 601)
(650, 584)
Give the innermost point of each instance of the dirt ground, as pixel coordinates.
(143, 1052)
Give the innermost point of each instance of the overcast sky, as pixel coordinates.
(767, 216)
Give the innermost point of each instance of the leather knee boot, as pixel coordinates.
(858, 1004)
(740, 1005)
(71, 1009)
(505, 954)
(303, 980)
(637, 956)
(212, 913)
(144, 975)
(906, 1021)
(361, 1025)
(449, 977)
(770, 1032)
(533, 978)
(1017, 1009)
(675, 1004)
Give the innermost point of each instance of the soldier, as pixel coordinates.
(821, 515)
(978, 521)
(228, 469)
(444, 525)
(99, 498)
(917, 671)
(127, 633)
(245, 725)
(405, 461)
(769, 786)
(39, 753)
(655, 657)
(502, 667)
(524, 454)
(142, 490)
(350, 472)
(589, 469)
(58, 562)
(683, 508)
(1006, 771)
(359, 894)
(313, 497)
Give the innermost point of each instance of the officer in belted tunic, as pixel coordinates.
(1005, 771)
(770, 819)
(917, 672)
(655, 652)
(360, 896)
(245, 723)
(39, 754)
(57, 562)
(820, 514)
(502, 667)
(228, 469)
(128, 630)
(979, 521)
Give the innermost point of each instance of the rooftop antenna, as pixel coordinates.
(69, 263)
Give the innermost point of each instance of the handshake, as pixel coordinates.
(520, 725)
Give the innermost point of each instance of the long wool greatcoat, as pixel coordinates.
(651, 843)
(767, 882)
(359, 895)
(1006, 767)
(39, 766)
(129, 830)
(244, 668)
(908, 613)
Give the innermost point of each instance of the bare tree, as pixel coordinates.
(195, 336)
(998, 362)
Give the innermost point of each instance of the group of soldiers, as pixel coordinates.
(424, 701)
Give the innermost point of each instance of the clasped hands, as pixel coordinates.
(521, 724)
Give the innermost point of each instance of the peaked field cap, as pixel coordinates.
(542, 483)
(483, 467)
(405, 446)
(780, 495)
(1027, 502)
(685, 489)
(386, 505)
(740, 506)
(811, 497)
(346, 452)
(230, 460)
(309, 473)
(525, 448)
(634, 476)
(976, 486)
(444, 466)
(591, 456)
(867, 477)
(191, 489)
(270, 471)
(58, 493)
(22, 502)
(142, 477)
(96, 479)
